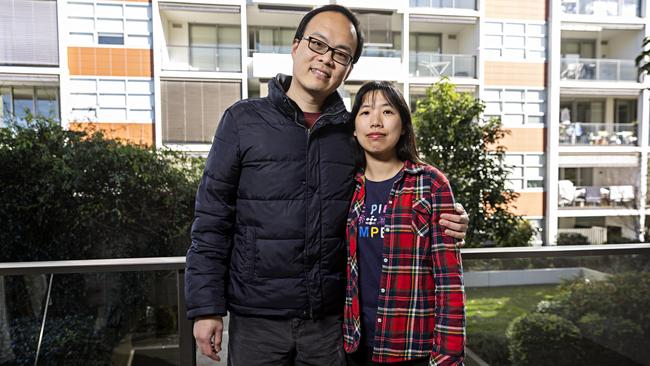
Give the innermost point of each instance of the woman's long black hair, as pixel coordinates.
(406, 147)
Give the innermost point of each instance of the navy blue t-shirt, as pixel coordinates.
(370, 253)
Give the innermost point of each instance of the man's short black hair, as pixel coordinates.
(300, 32)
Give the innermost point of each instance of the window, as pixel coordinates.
(271, 40)
(28, 32)
(380, 39)
(526, 171)
(584, 111)
(18, 101)
(516, 106)
(577, 48)
(192, 109)
(581, 177)
(98, 23)
(109, 100)
(515, 40)
(107, 38)
(215, 47)
(625, 110)
(377, 29)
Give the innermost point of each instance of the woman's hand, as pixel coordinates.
(456, 225)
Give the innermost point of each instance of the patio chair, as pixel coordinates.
(592, 195)
(566, 192)
(621, 194)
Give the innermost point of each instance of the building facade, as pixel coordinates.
(559, 73)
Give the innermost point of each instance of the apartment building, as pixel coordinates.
(559, 73)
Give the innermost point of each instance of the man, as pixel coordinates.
(268, 235)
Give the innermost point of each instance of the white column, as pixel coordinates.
(64, 70)
(158, 42)
(552, 121)
(643, 114)
(478, 36)
(244, 49)
(406, 55)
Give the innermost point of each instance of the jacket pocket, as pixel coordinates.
(421, 217)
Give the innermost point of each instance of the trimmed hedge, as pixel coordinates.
(544, 339)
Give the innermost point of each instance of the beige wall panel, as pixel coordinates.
(520, 9)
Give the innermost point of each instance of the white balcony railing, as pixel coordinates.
(622, 8)
(579, 133)
(429, 64)
(598, 69)
(202, 58)
(454, 4)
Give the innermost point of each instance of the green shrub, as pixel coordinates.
(572, 239)
(612, 316)
(543, 339)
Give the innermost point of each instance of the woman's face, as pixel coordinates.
(378, 126)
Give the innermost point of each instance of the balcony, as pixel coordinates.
(604, 8)
(202, 58)
(571, 196)
(429, 64)
(586, 134)
(589, 69)
(453, 4)
(131, 312)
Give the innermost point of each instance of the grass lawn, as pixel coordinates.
(491, 309)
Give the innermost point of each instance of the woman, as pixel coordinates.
(404, 297)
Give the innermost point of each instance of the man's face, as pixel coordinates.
(320, 75)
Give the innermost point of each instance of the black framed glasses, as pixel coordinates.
(321, 48)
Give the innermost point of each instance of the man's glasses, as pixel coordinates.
(321, 48)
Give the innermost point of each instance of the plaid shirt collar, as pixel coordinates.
(409, 168)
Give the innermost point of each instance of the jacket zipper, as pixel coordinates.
(309, 133)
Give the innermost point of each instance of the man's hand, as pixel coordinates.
(208, 331)
(456, 224)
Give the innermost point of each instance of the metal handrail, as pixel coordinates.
(441, 4)
(441, 64)
(92, 266)
(554, 251)
(588, 7)
(178, 263)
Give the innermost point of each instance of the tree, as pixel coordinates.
(643, 59)
(452, 136)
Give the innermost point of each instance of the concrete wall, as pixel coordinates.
(529, 276)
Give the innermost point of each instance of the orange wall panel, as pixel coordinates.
(515, 73)
(138, 62)
(525, 140)
(109, 61)
(529, 204)
(138, 133)
(520, 9)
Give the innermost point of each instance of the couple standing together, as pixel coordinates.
(293, 185)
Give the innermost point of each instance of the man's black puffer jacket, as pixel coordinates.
(268, 232)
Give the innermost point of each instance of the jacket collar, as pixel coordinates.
(333, 105)
(408, 168)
